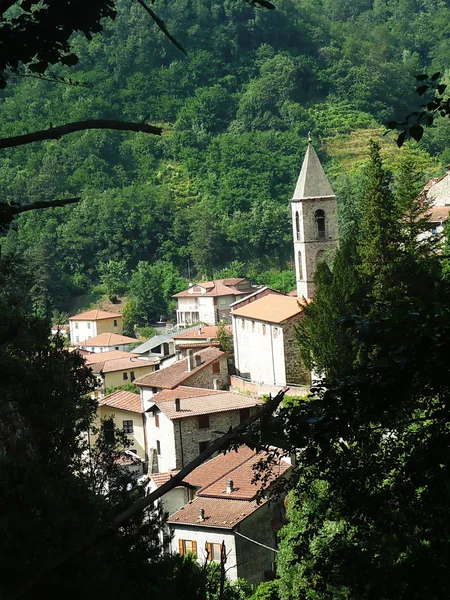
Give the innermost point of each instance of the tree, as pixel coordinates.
(113, 275)
(366, 507)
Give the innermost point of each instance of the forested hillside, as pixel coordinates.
(214, 188)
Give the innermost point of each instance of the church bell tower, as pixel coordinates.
(314, 220)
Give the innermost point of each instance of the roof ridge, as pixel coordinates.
(225, 474)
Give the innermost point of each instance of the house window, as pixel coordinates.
(187, 547)
(202, 446)
(154, 390)
(253, 325)
(89, 325)
(116, 347)
(203, 421)
(127, 426)
(216, 367)
(132, 377)
(158, 447)
(156, 420)
(275, 332)
(243, 323)
(115, 322)
(92, 349)
(244, 413)
(76, 325)
(77, 339)
(297, 226)
(300, 266)
(214, 551)
(319, 218)
(124, 376)
(108, 432)
(263, 329)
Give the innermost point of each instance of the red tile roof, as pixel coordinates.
(222, 513)
(272, 309)
(183, 391)
(205, 404)
(107, 339)
(106, 365)
(160, 479)
(174, 375)
(218, 287)
(112, 354)
(122, 400)
(438, 214)
(205, 332)
(94, 315)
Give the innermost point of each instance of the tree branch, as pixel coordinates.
(54, 133)
(220, 444)
(36, 205)
(160, 23)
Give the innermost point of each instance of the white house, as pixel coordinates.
(93, 322)
(225, 511)
(265, 351)
(181, 423)
(161, 345)
(209, 301)
(106, 342)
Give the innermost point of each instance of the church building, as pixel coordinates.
(267, 356)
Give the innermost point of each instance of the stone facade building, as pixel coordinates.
(181, 423)
(314, 220)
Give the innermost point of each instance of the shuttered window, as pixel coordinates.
(213, 551)
(187, 547)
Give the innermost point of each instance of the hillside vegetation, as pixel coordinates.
(214, 189)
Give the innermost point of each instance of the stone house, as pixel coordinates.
(209, 301)
(200, 337)
(181, 423)
(225, 511)
(93, 322)
(207, 368)
(106, 342)
(126, 412)
(265, 349)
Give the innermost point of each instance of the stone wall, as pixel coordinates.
(296, 372)
(205, 377)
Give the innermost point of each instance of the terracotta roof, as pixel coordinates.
(185, 392)
(93, 357)
(272, 309)
(255, 294)
(174, 375)
(198, 345)
(205, 332)
(218, 287)
(106, 365)
(438, 214)
(123, 400)
(223, 513)
(94, 315)
(107, 339)
(204, 404)
(218, 467)
(293, 293)
(160, 479)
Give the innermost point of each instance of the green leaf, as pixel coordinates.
(435, 76)
(421, 77)
(441, 88)
(421, 89)
(70, 60)
(392, 124)
(416, 132)
(401, 139)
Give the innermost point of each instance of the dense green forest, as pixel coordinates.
(214, 189)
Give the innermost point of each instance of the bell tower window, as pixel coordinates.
(319, 218)
(297, 226)
(300, 269)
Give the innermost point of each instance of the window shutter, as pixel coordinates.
(208, 547)
(194, 547)
(180, 547)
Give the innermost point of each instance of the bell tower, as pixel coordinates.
(314, 220)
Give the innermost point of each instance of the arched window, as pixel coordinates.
(300, 267)
(319, 218)
(297, 226)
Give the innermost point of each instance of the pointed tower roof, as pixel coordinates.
(312, 181)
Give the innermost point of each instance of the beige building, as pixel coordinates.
(117, 368)
(106, 342)
(314, 220)
(125, 410)
(209, 301)
(265, 350)
(93, 322)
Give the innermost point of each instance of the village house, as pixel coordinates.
(159, 345)
(197, 338)
(225, 511)
(266, 353)
(93, 322)
(124, 408)
(116, 368)
(209, 301)
(181, 423)
(105, 342)
(206, 368)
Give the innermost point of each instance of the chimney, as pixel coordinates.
(190, 360)
(229, 486)
(176, 404)
(198, 360)
(201, 515)
(215, 383)
(200, 331)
